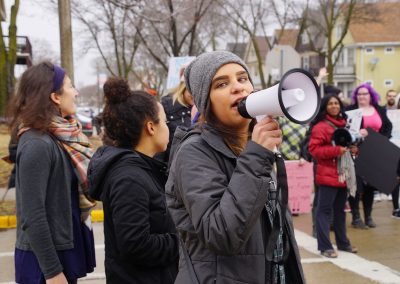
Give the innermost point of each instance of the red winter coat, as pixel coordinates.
(321, 148)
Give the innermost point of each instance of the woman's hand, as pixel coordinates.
(363, 132)
(267, 133)
(58, 279)
(323, 72)
(343, 150)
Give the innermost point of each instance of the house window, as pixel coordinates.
(388, 83)
(306, 63)
(369, 50)
(304, 38)
(389, 50)
(350, 56)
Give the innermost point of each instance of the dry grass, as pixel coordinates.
(7, 208)
(5, 168)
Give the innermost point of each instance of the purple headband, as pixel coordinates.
(58, 78)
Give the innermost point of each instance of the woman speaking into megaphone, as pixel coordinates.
(227, 203)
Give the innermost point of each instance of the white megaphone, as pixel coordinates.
(296, 97)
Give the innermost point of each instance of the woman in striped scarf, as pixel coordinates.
(54, 235)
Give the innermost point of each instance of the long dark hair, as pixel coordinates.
(32, 105)
(322, 110)
(126, 111)
(231, 137)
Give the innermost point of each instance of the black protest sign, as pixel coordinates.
(377, 162)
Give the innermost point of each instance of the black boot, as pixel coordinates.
(368, 219)
(357, 223)
(370, 222)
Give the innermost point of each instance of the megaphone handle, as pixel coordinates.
(259, 118)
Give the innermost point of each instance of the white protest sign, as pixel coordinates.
(354, 118)
(175, 64)
(394, 117)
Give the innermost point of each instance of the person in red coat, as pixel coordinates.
(332, 193)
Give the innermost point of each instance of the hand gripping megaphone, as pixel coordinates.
(296, 97)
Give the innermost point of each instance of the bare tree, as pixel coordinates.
(249, 15)
(326, 18)
(8, 58)
(41, 51)
(174, 29)
(112, 33)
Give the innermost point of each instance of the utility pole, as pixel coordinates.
(67, 60)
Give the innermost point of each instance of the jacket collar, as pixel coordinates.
(150, 163)
(213, 139)
(338, 122)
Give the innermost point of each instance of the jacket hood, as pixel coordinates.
(102, 161)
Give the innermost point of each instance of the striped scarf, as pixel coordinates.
(68, 133)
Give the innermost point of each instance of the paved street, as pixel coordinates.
(378, 260)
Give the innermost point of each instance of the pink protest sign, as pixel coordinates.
(300, 183)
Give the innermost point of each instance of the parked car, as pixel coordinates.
(87, 127)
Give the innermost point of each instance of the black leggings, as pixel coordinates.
(366, 193)
(395, 197)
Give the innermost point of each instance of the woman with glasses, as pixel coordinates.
(365, 98)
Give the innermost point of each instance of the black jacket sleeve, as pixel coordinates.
(387, 126)
(129, 202)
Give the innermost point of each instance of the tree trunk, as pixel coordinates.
(8, 59)
(260, 62)
(67, 61)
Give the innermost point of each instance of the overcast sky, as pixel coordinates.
(41, 24)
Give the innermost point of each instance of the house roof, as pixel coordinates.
(287, 37)
(262, 45)
(385, 27)
(238, 48)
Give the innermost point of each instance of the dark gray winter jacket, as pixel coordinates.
(217, 201)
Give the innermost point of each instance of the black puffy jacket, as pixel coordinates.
(141, 245)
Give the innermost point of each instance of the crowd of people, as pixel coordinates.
(192, 192)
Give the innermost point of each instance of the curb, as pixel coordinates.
(10, 222)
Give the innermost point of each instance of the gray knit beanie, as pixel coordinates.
(200, 72)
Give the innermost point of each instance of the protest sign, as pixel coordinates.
(175, 64)
(394, 117)
(354, 118)
(377, 162)
(300, 184)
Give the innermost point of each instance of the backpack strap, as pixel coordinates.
(331, 124)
